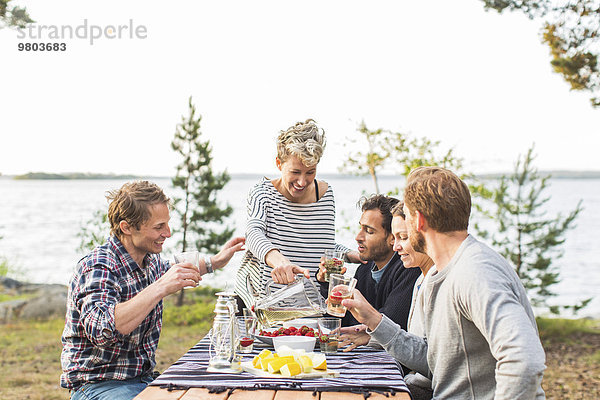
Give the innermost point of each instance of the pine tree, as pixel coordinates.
(199, 211)
(526, 236)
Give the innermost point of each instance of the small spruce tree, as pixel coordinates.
(200, 214)
(526, 236)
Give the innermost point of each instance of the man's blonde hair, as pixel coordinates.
(441, 196)
(304, 140)
(131, 203)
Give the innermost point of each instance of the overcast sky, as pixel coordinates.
(477, 81)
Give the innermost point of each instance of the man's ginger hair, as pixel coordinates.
(441, 196)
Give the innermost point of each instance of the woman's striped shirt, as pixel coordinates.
(301, 232)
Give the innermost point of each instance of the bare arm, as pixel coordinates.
(221, 259)
(362, 310)
(130, 314)
(283, 269)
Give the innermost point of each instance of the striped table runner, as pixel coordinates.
(361, 370)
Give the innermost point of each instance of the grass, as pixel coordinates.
(572, 358)
(30, 360)
(30, 351)
(563, 330)
(8, 297)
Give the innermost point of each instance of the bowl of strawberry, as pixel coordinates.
(266, 336)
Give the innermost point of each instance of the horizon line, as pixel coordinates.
(111, 175)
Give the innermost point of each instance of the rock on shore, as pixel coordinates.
(34, 301)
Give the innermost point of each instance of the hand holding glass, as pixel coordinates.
(334, 261)
(192, 257)
(340, 288)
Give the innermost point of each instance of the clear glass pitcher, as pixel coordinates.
(300, 298)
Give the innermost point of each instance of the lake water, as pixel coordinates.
(39, 222)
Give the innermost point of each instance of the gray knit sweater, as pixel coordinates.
(481, 337)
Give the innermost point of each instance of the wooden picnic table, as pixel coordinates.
(156, 393)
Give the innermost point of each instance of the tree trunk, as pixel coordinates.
(179, 302)
(374, 176)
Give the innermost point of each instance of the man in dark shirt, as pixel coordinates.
(383, 280)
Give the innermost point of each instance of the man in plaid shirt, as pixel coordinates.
(114, 305)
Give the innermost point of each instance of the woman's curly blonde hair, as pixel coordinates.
(304, 140)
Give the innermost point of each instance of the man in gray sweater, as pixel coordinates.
(481, 337)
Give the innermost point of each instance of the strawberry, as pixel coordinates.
(336, 297)
(323, 338)
(310, 334)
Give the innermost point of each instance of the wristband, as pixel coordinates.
(208, 265)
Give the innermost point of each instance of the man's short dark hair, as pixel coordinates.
(382, 203)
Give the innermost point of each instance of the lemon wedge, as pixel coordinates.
(284, 351)
(306, 364)
(290, 369)
(275, 365)
(319, 361)
(264, 353)
(278, 361)
(256, 362)
(264, 362)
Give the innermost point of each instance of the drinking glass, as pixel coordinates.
(329, 334)
(246, 328)
(334, 261)
(193, 257)
(340, 288)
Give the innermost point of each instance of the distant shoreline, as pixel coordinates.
(88, 175)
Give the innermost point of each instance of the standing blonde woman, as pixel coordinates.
(291, 219)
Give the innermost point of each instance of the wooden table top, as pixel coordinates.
(156, 393)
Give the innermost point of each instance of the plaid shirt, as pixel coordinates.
(93, 350)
